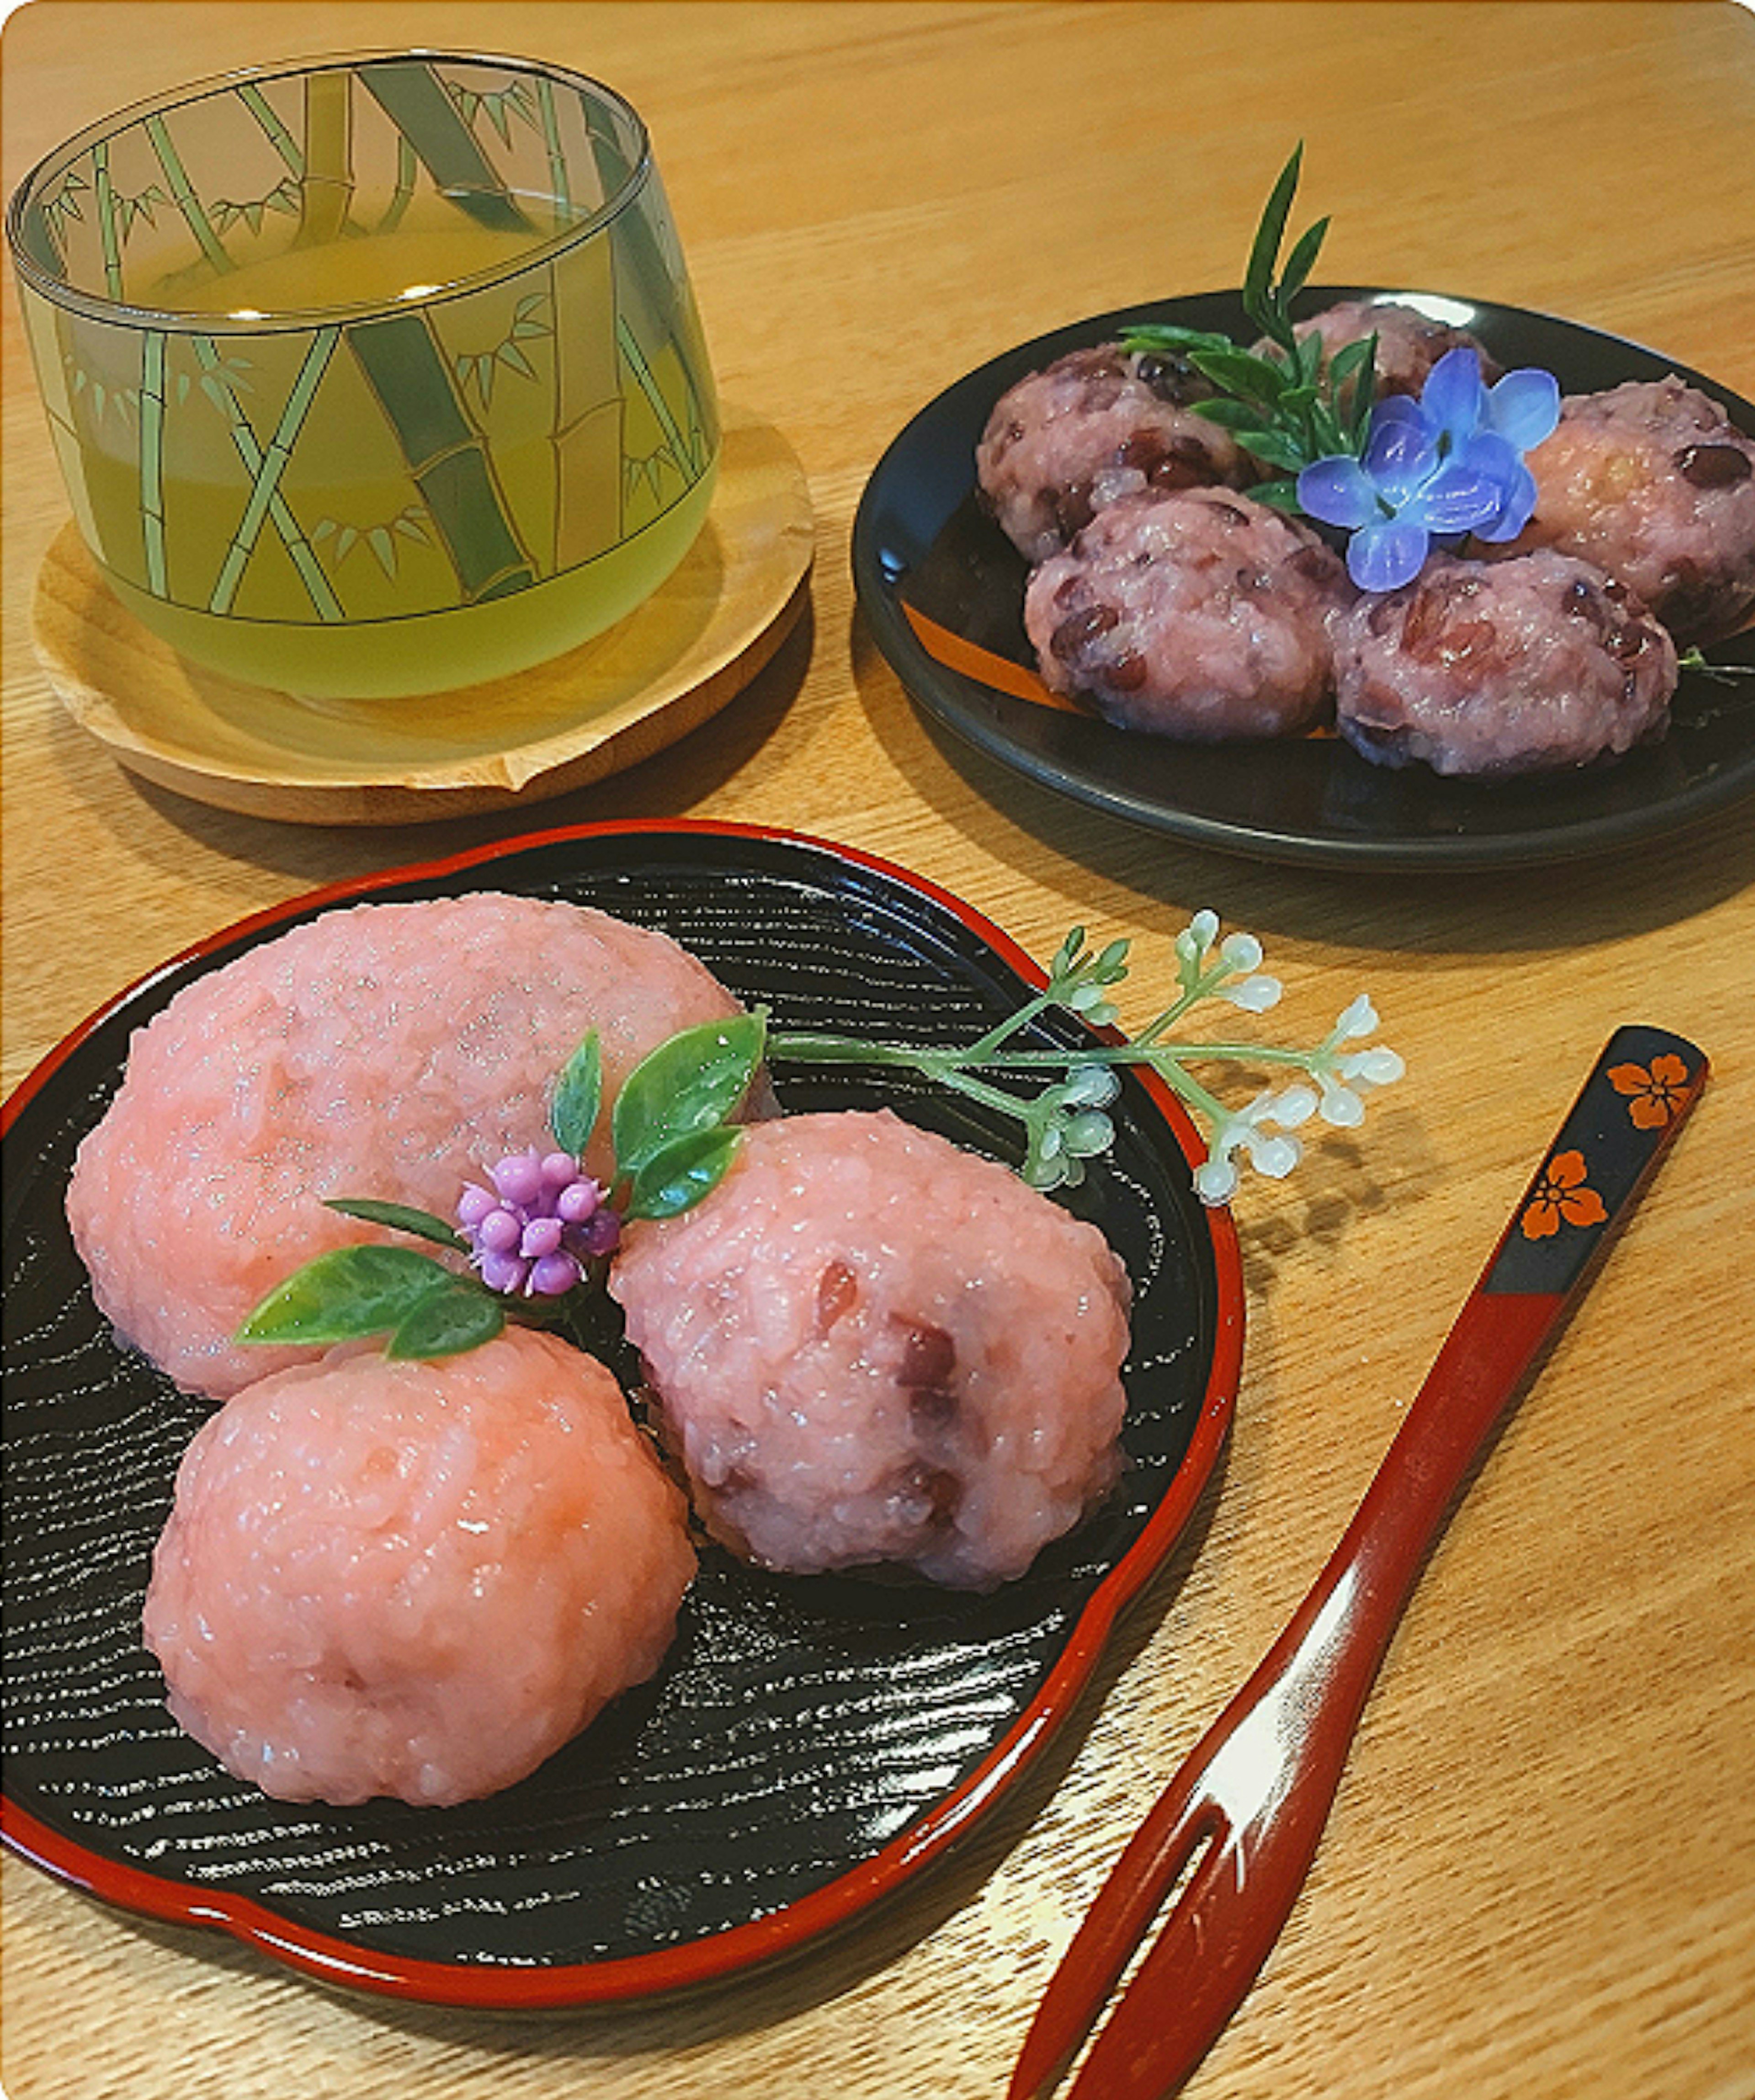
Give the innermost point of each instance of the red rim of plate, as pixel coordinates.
(792, 1928)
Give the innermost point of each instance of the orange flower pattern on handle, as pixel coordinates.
(1656, 1090)
(1563, 1196)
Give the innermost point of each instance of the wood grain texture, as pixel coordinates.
(1540, 1876)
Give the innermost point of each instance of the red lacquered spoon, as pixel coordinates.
(1256, 1791)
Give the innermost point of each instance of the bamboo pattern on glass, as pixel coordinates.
(409, 94)
(217, 383)
(551, 137)
(637, 286)
(408, 165)
(262, 110)
(106, 208)
(273, 465)
(182, 192)
(152, 459)
(510, 488)
(587, 425)
(446, 457)
(326, 184)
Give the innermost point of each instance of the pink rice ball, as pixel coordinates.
(867, 1345)
(417, 1579)
(1410, 344)
(1202, 614)
(1484, 668)
(1652, 482)
(1067, 441)
(392, 1050)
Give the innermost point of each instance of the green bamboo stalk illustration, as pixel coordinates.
(285, 143)
(410, 93)
(551, 134)
(322, 598)
(407, 165)
(106, 207)
(273, 466)
(642, 283)
(326, 188)
(649, 386)
(187, 202)
(446, 457)
(152, 459)
(589, 411)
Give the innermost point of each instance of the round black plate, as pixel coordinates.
(921, 540)
(807, 1745)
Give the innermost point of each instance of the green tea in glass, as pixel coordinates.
(371, 375)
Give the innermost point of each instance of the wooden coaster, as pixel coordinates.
(616, 700)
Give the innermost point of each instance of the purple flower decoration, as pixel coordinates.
(1449, 463)
(534, 1231)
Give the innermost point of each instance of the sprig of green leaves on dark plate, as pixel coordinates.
(674, 1128)
(1285, 405)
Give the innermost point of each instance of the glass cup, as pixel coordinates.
(370, 375)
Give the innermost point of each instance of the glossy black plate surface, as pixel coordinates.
(807, 1744)
(921, 540)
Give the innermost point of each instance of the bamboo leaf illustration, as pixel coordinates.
(409, 93)
(648, 385)
(131, 208)
(266, 482)
(379, 541)
(349, 534)
(445, 454)
(509, 353)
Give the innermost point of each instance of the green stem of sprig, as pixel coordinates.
(945, 1065)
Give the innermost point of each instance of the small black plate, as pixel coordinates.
(920, 541)
(809, 1744)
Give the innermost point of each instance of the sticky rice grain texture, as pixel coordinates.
(414, 1579)
(1486, 668)
(1202, 614)
(392, 1051)
(869, 1346)
(1653, 483)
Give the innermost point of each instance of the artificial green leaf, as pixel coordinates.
(347, 1293)
(1278, 449)
(1239, 417)
(1265, 251)
(676, 1178)
(578, 1095)
(1239, 373)
(1165, 335)
(688, 1084)
(1346, 363)
(403, 1217)
(1364, 397)
(1299, 261)
(447, 1322)
(1308, 358)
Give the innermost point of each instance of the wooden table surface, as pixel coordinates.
(1540, 1877)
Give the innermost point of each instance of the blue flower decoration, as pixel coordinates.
(1449, 463)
